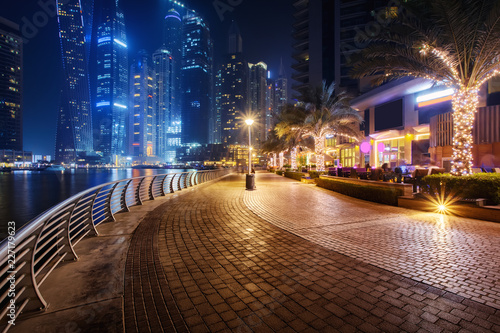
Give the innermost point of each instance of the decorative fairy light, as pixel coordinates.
(293, 157)
(465, 103)
(319, 150)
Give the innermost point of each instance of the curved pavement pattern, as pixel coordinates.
(208, 262)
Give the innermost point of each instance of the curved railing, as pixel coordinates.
(28, 257)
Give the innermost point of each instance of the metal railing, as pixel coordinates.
(49, 239)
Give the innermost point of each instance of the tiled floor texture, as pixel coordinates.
(290, 257)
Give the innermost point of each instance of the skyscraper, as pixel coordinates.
(196, 79)
(11, 86)
(281, 90)
(74, 128)
(327, 33)
(164, 78)
(257, 98)
(233, 90)
(111, 94)
(172, 41)
(141, 120)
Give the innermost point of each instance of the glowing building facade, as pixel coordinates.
(164, 77)
(142, 122)
(111, 91)
(196, 79)
(74, 127)
(11, 83)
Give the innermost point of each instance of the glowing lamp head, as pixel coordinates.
(365, 147)
(249, 122)
(441, 208)
(381, 147)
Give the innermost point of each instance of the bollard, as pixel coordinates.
(251, 182)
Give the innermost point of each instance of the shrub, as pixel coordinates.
(475, 186)
(294, 175)
(279, 172)
(272, 170)
(368, 192)
(316, 174)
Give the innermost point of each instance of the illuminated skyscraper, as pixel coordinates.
(281, 90)
(74, 128)
(111, 104)
(172, 41)
(141, 119)
(11, 84)
(232, 90)
(196, 79)
(257, 100)
(164, 78)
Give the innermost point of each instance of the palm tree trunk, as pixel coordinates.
(465, 102)
(293, 157)
(275, 160)
(282, 157)
(319, 150)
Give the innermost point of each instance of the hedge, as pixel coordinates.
(388, 196)
(475, 186)
(279, 172)
(294, 175)
(316, 174)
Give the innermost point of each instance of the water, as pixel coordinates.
(26, 194)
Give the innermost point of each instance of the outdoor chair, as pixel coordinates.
(361, 172)
(476, 170)
(332, 171)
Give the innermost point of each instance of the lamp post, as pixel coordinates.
(250, 179)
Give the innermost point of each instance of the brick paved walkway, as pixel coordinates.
(207, 262)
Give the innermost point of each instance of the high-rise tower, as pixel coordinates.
(257, 98)
(11, 84)
(111, 94)
(281, 90)
(141, 120)
(196, 79)
(74, 128)
(172, 42)
(233, 90)
(164, 78)
(327, 33)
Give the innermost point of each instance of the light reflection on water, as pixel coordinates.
(26, 194)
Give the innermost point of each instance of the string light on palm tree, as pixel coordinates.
(451, 42)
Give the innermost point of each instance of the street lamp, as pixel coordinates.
(250, 178)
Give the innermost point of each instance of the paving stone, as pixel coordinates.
(289, 257)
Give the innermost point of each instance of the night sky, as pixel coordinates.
(265, 26)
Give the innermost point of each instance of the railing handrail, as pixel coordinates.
(25, 229)
(50, 237)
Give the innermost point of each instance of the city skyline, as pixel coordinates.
(40, 99)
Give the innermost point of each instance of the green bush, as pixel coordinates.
(316, 174)
(479, 185)
(383, 195)
(279, 172)
(272, 170)
(294, 175)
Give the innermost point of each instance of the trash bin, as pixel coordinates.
(251, 182)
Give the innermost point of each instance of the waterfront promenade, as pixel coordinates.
(285, 257)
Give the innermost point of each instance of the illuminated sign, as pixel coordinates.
(436, 97)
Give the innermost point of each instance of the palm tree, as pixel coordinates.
(453, 42)
(320, 113)
(273, 145)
